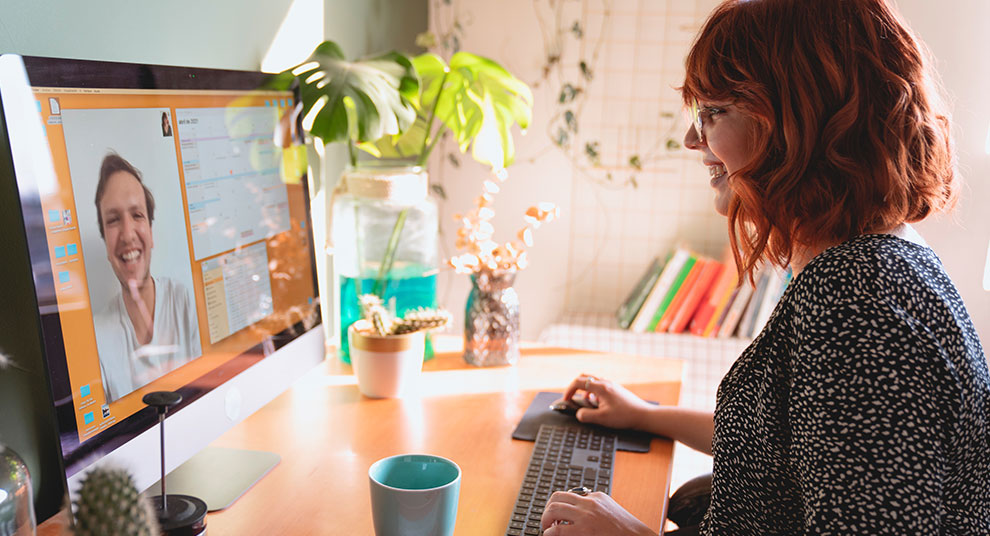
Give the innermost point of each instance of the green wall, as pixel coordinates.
(233, 34)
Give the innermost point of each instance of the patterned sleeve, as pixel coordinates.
(869, 406)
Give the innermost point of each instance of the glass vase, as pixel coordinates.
(491, 320)
(16, 499)
(384, 232)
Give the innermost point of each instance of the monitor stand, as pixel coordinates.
(218, 476)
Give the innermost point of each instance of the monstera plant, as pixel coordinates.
(353, 101)
(388, 105)
(399, 108)
(470, 95)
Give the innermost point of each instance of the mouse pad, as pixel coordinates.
(539, 412)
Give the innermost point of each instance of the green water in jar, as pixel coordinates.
(409, 292)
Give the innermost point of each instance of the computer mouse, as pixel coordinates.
(570, 407)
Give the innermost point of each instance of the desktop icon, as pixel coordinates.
(84, 390)
(88, 417)
(63, 277)
(53, 216)
(66, 216)
(106, 410)
(54, 106)
(71, 249)
(59, 252)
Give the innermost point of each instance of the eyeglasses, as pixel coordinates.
(701, 115)
(697, 122)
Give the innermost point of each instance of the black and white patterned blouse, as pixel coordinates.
(861, 408)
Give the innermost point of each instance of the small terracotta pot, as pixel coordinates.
(386, 367)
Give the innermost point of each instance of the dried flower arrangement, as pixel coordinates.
(481, 252)
(382, 323)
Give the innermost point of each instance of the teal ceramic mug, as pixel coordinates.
(414, 495)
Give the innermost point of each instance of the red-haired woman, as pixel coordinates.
(862, 407)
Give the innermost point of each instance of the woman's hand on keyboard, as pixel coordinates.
(569, 514)
(617, 407)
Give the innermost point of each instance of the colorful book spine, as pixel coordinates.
(747, 323)
(627, 311)
(776, 286)
(715, 300)
(715, 324)
(736, 310)
(768, 301)
(701, 288)
(675, 286)
(680, 295)
(670, 270)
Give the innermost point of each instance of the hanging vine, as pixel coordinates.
(562, 34)
(571, 64)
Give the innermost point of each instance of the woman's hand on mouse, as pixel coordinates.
(568, 514)
(617, 406)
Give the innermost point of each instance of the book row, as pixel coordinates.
(688, 292)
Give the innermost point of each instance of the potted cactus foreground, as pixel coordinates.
(109, 504)
(387, 351)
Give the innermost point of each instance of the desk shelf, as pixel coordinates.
(706, 359)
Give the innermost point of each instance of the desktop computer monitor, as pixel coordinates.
(168, 246)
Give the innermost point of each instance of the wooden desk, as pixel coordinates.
(328, 435)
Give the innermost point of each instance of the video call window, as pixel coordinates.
(178, 243)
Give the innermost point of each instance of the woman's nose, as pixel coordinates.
(691, 139)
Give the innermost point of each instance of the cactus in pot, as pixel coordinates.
(384, 324)
(109, 504)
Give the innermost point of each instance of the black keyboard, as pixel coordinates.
(564, 457)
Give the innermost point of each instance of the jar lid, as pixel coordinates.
(403, 184)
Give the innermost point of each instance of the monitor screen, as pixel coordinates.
(170, 249)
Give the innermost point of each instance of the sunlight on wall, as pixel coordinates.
(986, 271)
(299, 34)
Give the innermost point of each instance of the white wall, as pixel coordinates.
(589, 260)
(957, 36)
(608, 233)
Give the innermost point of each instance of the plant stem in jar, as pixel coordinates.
(393, 244)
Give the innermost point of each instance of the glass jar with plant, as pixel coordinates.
(397, 110)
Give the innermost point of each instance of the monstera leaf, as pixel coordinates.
(473, 81)
(471, 96)
(360, 101)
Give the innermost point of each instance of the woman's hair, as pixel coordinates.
(849, 136)
(111, 164)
